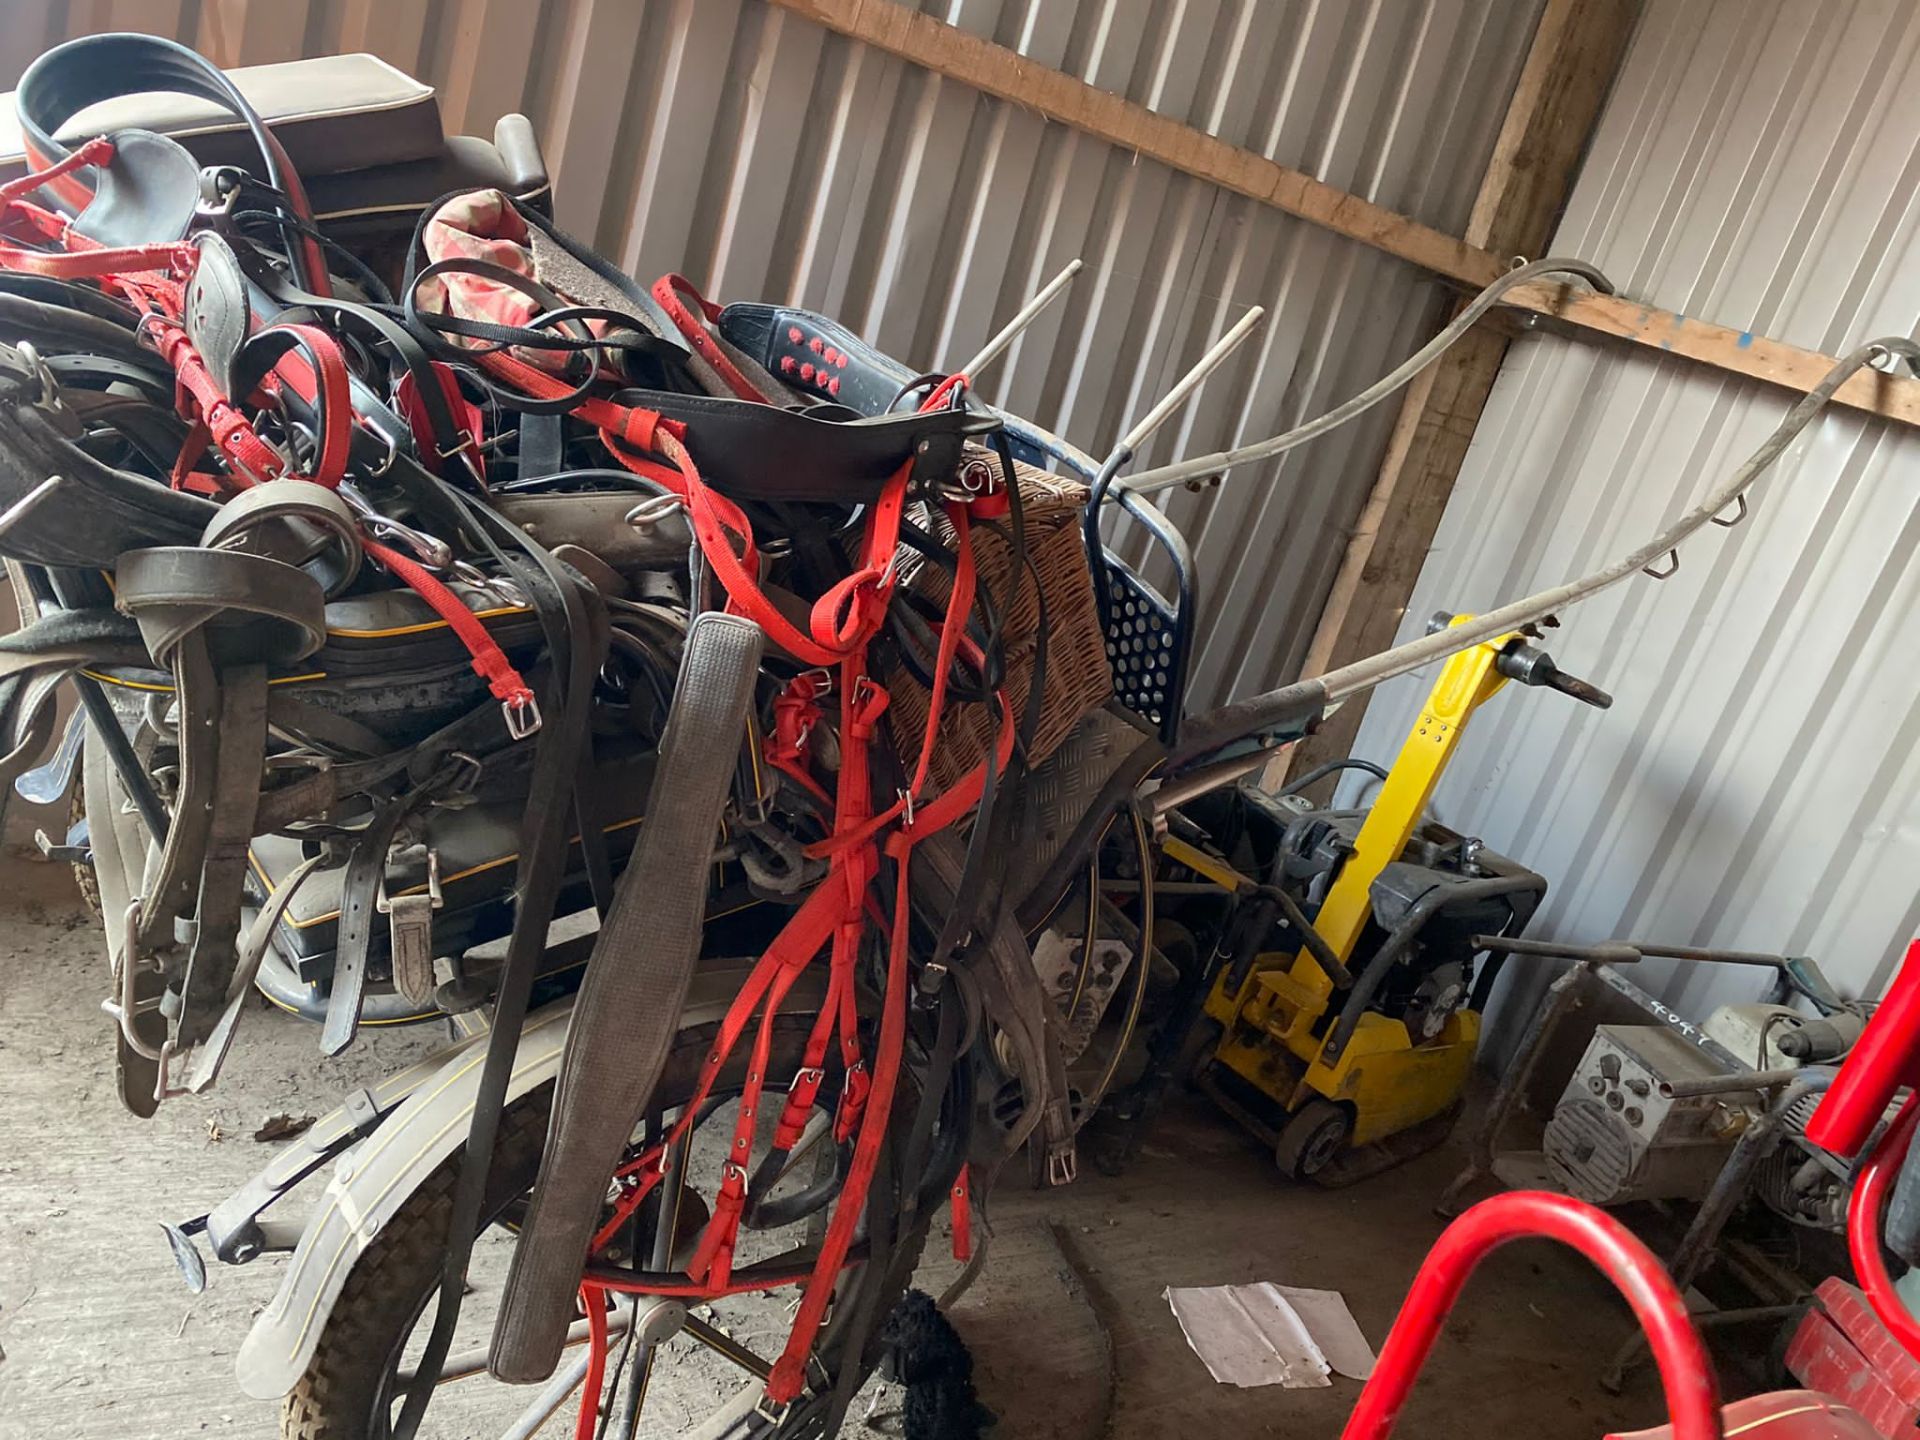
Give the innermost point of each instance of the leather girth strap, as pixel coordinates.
(629, 1006)
(216, 620)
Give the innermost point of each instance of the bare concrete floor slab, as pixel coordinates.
(1071, 1336)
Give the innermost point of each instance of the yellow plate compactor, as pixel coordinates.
(1347, 1006)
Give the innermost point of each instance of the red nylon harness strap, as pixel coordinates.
(198, 396)
(317, 372)
(669, 290)
(796, 711)
(489, 660)
(840, 619)
(79, 258)
(960, 1198)
(58, 176)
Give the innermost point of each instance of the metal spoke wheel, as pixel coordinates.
(675, 1365)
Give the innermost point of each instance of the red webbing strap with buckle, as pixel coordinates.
(325, 386)
(489, 660)
(198, 397)
(796, 711)
(790, 1371)
(668, 290)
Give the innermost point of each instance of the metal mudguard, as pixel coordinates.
(370, 1182)
(368, 1185)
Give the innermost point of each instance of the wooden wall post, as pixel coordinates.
(1569, 68)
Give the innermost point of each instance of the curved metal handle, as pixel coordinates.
(1693, 1395)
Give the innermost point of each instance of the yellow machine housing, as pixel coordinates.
(1274, 1031)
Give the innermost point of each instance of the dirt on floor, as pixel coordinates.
(1072, 1335)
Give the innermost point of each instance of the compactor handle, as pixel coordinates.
(1531, 665)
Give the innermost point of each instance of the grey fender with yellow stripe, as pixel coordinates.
(368, 1185)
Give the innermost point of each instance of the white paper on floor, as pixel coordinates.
(1271, 1334)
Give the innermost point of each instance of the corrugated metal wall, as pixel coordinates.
(1757, 783)
(765, 158)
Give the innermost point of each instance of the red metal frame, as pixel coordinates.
(1886, 1056)
(1871, 1186)
(1693, 1395)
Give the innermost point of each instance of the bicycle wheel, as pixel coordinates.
(675, 1366)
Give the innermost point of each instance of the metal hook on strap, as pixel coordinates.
(1739, 514)
(1673, 565)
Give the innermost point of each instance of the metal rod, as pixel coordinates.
(1710, 956)
(1686, 1374)
(1761, 1138)
(1727, 1084)
(1612, 952)
(1026, 315)
(1562, 998)
(1177, 792)
(1148, 482)
(1247, 719)
(723, 1344)
(1189, 382)
(468, 1363)
(551, 1397)
(632, 1400)
(1628, 1356)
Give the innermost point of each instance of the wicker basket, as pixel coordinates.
(1078, 677)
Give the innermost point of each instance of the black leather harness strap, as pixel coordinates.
(240, 752)
(217, 619)
(630, 1003)
(366, 869)
(575, 629)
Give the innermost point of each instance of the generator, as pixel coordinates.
(1620, 1133)
(1627, 1128)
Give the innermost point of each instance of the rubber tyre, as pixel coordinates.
(1312, 1136)
(392, 1282)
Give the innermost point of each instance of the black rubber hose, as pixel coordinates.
(1332, 767)
(1397, 943)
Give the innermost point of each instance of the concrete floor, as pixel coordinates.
(1072, 1337)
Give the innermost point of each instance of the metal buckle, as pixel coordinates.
(163, 1089)
(1063, 1166)
(523, 715)
(49, 397)
(127, 1006)
(811, 1074)
(384, 903)
(140, 328)
(393, 449)
(772, 1411)
(49, 388)
(462, 781)
(906, 812)
(432, 552)
(410, 932)
(494, 587)
(822, 677)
